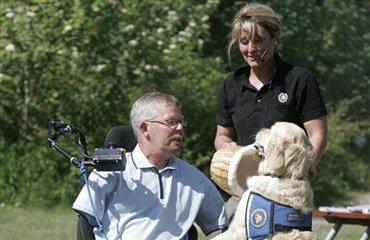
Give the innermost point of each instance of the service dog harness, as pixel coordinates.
(265, 218)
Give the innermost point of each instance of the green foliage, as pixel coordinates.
(343, 168)
(328, 37)
(87, 61)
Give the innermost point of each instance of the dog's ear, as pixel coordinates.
(299, 160)
(275, 157)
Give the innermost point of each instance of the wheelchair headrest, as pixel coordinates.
(121, 136)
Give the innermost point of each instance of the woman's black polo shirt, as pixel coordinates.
(292, 95)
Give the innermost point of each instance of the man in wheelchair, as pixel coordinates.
(158, 195)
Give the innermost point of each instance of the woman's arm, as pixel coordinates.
(225, 136)
(317, 131)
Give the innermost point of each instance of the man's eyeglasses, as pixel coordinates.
(171, 123)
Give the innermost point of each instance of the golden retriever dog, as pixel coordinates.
(279, 200)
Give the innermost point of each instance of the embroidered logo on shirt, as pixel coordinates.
(283, 97)
(259, 217)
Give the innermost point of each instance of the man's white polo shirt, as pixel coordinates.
(141, 203)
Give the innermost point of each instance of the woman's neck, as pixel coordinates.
(261, 74)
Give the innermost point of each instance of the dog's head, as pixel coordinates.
(286, 151)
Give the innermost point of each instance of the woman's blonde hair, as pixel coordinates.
(247, 19)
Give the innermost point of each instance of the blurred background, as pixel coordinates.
(86, 62)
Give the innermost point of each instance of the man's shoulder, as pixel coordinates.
(187, 167)
(108, 176)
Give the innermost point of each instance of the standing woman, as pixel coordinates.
(265, 89)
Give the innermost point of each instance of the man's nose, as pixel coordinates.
(180, 126)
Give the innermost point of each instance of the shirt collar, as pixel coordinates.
(140, 160)
(242, 72)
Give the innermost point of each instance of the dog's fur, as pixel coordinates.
(283, 176)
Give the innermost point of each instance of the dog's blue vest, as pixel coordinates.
(265, 218)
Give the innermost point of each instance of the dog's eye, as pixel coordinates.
(261, 151)
(260, 148)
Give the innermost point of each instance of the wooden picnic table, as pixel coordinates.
(343, 217)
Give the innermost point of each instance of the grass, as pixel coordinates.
(40, 224)
(60, 224)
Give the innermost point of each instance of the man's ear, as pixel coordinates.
(144, 129)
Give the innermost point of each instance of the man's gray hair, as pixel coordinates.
(148, 107)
